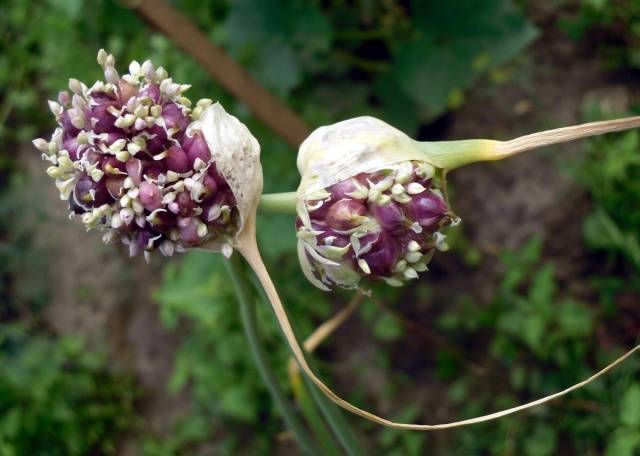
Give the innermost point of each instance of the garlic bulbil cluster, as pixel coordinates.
(369, 205)
(134, 157)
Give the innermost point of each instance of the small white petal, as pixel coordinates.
(413, 246)
(76, 86)
(202, 230)
(134, 68)
(415, 188)
(397, 189)
(404, 172)
(364, 266)
(410, 273)
(102, 57)
(167, 248)
(122, 156)
(227, 250)
(400, 266)
(41, 144)
(111, 75)
(412, 257)
(55, 108)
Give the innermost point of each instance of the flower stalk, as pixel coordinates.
(450, 155)
(278, 203)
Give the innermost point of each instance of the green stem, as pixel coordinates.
(314, 418)
(278, 203)
(247, 310)
(330, 411)
(336, 419)
(450, 155)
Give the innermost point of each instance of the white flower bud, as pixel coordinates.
(414, 188)
(127, 215)
(76, 86)
(41, 144)
(134, 68)
(156, 110)
(167, 248)
(111, 75)
(133, 148)
(118, 145)
(147, 69)
(202, 230)
(55, 107)
(102, 57)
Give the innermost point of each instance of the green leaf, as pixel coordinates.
(630, 406)
(456, 42)
(277, 236)
(387, 327)
(71, 8)
(278, 67)
(398, 107)
(624, 442)
(575, 320)
(602, 232)
(541, 441)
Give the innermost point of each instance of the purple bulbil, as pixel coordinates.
(382, 225)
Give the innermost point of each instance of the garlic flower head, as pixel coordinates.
(369, 205)
(134, 157)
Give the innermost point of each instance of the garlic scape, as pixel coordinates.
(372, 201)
(133, 157)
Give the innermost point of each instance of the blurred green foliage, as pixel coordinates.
(407, 62)
(213, 359)
(610, 172)
(537, 340)
(614, 26)
(58, 399)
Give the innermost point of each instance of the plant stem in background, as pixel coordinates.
(314, 418)
(330, 411)
(247, 311)
(336, 419)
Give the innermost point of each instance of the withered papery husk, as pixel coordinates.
(365, 144)
(236, 153)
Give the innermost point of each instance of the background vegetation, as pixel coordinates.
(541, 289)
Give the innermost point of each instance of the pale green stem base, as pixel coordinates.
(449, 155)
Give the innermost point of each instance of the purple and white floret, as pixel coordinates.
(369, 206)
(134, 157)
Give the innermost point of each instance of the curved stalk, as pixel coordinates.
(327, 328)
(247, 246)
(247, 310)
(314, 418)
